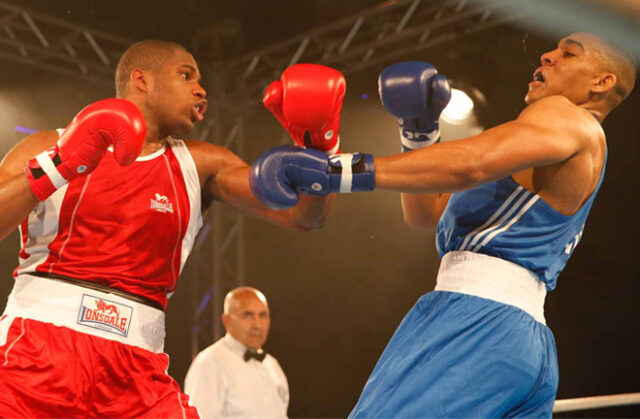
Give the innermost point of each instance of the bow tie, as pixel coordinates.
(257, 355)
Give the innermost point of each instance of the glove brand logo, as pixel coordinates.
(328, 135)
(420, 136)
(82, 169)
(161, 204)
(110, 316)
(316, 186)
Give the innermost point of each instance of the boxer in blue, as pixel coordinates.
(510, 205)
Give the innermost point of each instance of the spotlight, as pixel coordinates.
(459, 109)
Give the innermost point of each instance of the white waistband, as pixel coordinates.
(492, 278)
(85, 310)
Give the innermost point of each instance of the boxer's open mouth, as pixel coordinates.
(538, 76)
(198, 110)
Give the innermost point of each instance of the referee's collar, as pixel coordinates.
(235, 345)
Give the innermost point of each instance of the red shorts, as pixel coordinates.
(51, 371)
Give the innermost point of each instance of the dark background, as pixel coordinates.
(337, 294)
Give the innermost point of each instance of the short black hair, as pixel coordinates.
(148, 55)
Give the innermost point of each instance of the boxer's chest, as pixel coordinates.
(145, 203)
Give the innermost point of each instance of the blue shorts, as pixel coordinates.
(461, 356)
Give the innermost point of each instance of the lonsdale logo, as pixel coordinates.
(106, 315)
(161, 204)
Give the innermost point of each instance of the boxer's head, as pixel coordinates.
(163, 79)
(246, 316)
(586, 70)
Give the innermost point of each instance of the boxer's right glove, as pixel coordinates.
(307, 101)
(278, 176)
(109, 122)
(416, 94)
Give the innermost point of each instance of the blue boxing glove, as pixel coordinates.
(281, 174)
(416, 94)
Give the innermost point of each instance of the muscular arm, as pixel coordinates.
(549, 131)
(232, 186)
(227, 179)
(16, 197)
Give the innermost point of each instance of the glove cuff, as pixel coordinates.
(351, 173)
(43, 175)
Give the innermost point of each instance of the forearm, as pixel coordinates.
(437, 169)
(232, 186)
(495, 153)
(17, 202)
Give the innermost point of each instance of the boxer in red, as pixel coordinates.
(108, 210)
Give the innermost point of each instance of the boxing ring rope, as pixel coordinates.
(596, 402)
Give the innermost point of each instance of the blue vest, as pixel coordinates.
(505, 220)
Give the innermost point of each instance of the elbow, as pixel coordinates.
(471, 176)
(481, 166)
(476, 177)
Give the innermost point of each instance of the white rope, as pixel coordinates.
(595, 402)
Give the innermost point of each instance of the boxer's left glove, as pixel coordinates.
(307, 101)
(278, 176)
(109, 122)
(415, 94)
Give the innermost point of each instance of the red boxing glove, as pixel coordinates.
(307, 101)
(110, 122)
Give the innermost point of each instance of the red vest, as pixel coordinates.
(129, 228)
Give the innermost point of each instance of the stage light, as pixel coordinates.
(459, 109)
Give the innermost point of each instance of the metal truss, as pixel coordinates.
(34, 39)
(220, 249)
(228, 226)
(378, 34)
(198, 270)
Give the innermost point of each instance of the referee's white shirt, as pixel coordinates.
(221, 384)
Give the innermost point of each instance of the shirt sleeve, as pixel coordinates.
(206, 386)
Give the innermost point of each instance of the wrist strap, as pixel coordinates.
(50, 169)
(351, 173)
(43, 175)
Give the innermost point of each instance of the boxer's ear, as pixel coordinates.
(140, 80)
(604, 83)
(225, 321)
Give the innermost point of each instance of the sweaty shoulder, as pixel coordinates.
(559, 114)
(27, 148)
